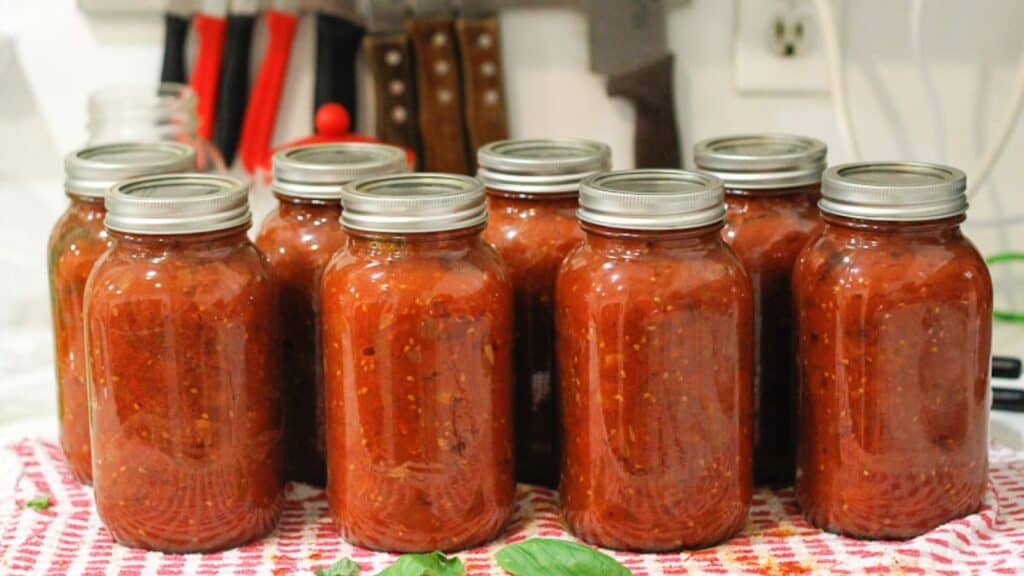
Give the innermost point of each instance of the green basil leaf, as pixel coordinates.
(343, 567)
(549, 557)
(40, 502)
(433, 564)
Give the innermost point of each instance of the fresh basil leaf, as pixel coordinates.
(343, 567)
(40, 502)
(432, 564)
(549, 557)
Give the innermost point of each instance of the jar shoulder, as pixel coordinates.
(215, 276)
(284, 239)
(847, 266)
(384, 274)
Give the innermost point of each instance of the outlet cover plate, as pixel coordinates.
(759, 62)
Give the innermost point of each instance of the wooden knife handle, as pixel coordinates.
(480, 47)
(389, 58)
(656, 136)
(439, 87)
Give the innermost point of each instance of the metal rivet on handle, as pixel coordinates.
(396, 87)
(491, 97)
(399, 114)
(444, 96)
(488, 69)
(441, 68)
(393, 58)
(484, 41)
(439, 39)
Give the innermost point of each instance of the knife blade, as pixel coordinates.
(628, 45)
(478, 33)
(389, 57)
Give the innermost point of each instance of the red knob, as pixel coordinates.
(332, 119)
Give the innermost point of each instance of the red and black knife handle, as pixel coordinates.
(261, 112)
(337, 44)
(656, 136)
(206, 74)
(175, 36)
(234, 84)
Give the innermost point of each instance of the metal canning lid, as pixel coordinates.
(93, 170)
(177, 204)
(762, 161)
(413, 203)
(542, 165)
(895, 191)
(319, 171)
(652, 199)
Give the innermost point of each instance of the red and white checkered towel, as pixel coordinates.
(67, 538)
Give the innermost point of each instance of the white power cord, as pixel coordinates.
(836, 78)
(982, 168)
(931, 90)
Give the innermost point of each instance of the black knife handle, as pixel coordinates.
(175, 35)
(656, 136)
(1006, 367)
(337, 44)
(234, 84)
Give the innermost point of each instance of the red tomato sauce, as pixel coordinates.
(766, 229)
(654, 353)
(298, 239)
(186, 404)
(894, 350)
(533, 234)
(77, 241)
(417, 347)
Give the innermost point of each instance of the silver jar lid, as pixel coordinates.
(413, 203)
(895, 191)
(93, 170)
(652, 199)
(542, 165)
(177, 204)
(762, 161)
(319, 171)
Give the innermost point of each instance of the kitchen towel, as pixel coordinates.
(68, 538)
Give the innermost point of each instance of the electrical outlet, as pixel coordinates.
(778, 47)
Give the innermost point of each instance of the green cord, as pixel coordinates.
(1001, 258)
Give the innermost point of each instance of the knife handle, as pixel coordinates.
(480, 47)
(261, 112)
(389, 59)
(442, 125)
(337, 43)
(175, 36)
(656, 136)
(206, 74)
(234, 84)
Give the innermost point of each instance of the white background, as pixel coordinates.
(52, 56)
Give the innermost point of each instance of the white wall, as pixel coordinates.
(52, 56)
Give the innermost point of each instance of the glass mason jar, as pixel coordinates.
(654, 321)
(298, 238)
(417, 318)
(166, 112)
(532, 191)
(895, 326)
(769, 180)
(186, 404)
(76, 242)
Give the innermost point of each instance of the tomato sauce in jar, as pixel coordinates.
(184, 386)
(417, 336)
(532, 190)
(895, 326)
(298, 238)
(654, 337)
(76, 242)
(770, 180)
